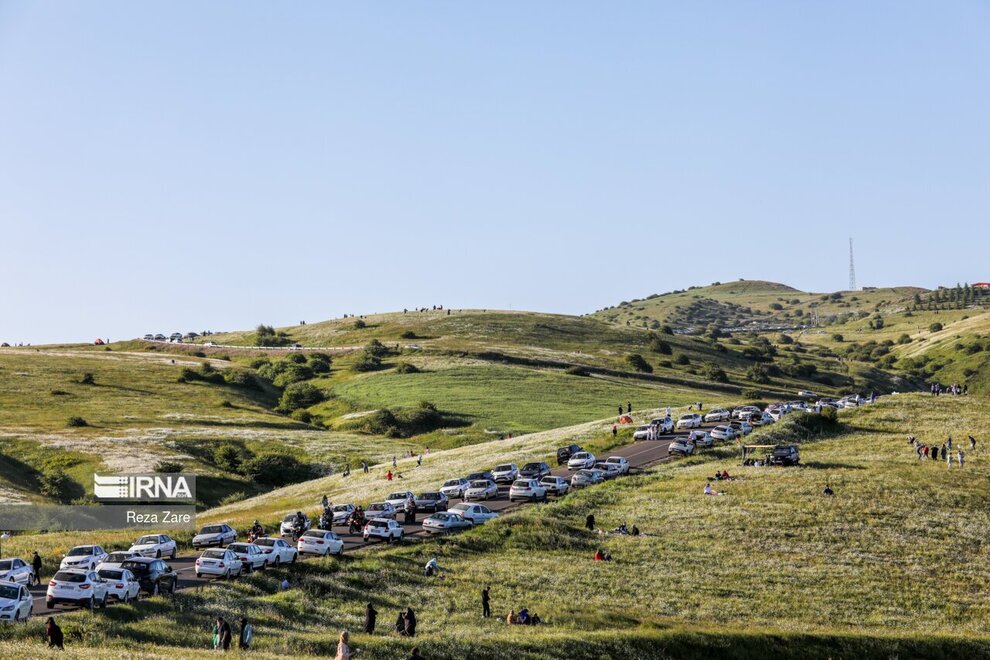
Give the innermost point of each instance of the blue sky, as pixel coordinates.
(181, 166)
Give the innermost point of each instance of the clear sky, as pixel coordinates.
(191, 165)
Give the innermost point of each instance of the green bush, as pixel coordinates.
(406, 368)
(376, 348)
(319, 363)
(77, 421)
(266, 335)
(758, 374)
(753, 395)
(168, 467)
(88, 379)
(638, 363)
(904, 339)
(240, 378)
(714, 373)
(838, 338)
(55, 483)
(935, 327)
(300, 395)
(659, 346)
(277, 469)
(367, 362)
(293, 373)
(408, 334)
(682, 359)
(228, 457)
(359, 324)
(577, 371)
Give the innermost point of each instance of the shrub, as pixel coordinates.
(659, 346)
(88, 379)
(240, 378)
(367, 363)
(54, 483)
(638, 363)
(406, 368)
(233, 498)
(199, 354)
(276, 469)
(59, 393)
(408, 334)
(666, 330)
(776, 307)
(228, 457)
(577, 371)
(319, 363)
(904, 339)
(376, 348)
(838, 338)
(753, 395)
(296, 358)
(293, 373)
(714, 373)
(266, 335)
(359, 324)
(935, 327)
(682, 359)
(300, 395)
(786, 339)
(226, 404)
(77, 421)
(168, 467)
(302, 415)
(758, 374)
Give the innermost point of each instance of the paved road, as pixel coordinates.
(639, 454)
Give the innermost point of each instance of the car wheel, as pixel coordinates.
(103, 603)
(17, 616)
(171, 589)
(50, 604)
(226, 576)
(172, 556)
(295, 555)
(155, 589)
(158, 554)
(92, 603)
(127, 598)
(199, 575)
(278, 560)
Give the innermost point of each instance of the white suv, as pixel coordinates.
(84, 588)
(155, 545)
(16, 603)
(582, 460)
(83, 557)
(384, 529)
(692, 421)
(527, 489)
(718, 415)
(506, 473)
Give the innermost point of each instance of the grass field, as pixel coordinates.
(892, 566)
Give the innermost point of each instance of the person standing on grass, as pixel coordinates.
(409, 619)
(36, 564)
(960, 456)
(949, 443)
(370, 616)
(934, 453)
(615, 430)
(221, 635)
(343, 648)
(54, 635)
(589, 522)
(247, 635)
(629, 406)
(945, 451)
(486, 609)
(972, 445)
(395, 464)
(620, 410)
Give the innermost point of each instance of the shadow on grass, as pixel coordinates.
(820, 465)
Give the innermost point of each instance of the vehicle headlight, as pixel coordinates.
(7, 608)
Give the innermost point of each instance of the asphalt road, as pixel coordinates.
(640, 455)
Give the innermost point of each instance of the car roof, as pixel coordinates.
(142, 560)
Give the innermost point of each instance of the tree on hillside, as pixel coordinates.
(638, 363)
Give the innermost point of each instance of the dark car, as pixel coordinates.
(564, 453)
(154, 575)
(534, 470)
(480, 476)
(431, 501)
(785, 455)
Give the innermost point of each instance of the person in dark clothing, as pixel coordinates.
(628, 406)
(400, 623)
(247, 635)
(486, 610)
(589, 522)
(828, 492)
(221, 634)
(620, 410)
(934, 453)
(36, 560)
(972, 445)
(615, 430)
(54, 635)
(415, 652)
(409, 619)
(370, 615)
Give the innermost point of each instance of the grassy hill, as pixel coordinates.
(892, 566)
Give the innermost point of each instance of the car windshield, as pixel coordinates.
(268, 543)
(65, 576)
(146, 540)
(215, 554)
(211, 529)
(688, 417)
(580, 455)
(614, 459)
(503, 468)
(9, 591)
(313, 535)
(428, 496)
(377, 506)
(118, 556)
(479, 484)
(548, 480)
(398, 496)
(452, 482)
(378, 524)
(111, 574)
(238, 547)
(531, 466)
(136, 567)
(522, 483)
(782, 451)
(6, 565)
(81, 551)
(342, 507)
(289, 518)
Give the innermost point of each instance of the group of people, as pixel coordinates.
(223, 635)
(932, 452)
(524, 618)
(723, 476)
(955, 389)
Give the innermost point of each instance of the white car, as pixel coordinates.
(506, 473)
(16, 570)
(723, 433)
(16, 603)
(527, 489)
(663, 424)
(690, 421)
(250, 555)
(776, 413)
(83, 557)
(121, 584)
(741, 427)
(742, 411)
(384, 529)
(701, 438)
(681, 446)
(476, 513)
(220, 562)
(432, 500)
(380, 510)
(214, 535)
(454, 487)
(621, 462)
(155, 545)
(583, 460)
(115, 559)
(555, 485)
(642, 433)
(807, 394)
(587, 477)
(288, 524)
(398, 500)
(76, 587)
(610, 470)
(278, 550)
(341, 512)
(760, 419)
(320, 542)
(445, 521)
(481, 489)
(718, 415)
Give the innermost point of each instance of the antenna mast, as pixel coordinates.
(852, 268)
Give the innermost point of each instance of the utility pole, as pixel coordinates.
(852, 268)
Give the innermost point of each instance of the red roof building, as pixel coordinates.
(981, 285)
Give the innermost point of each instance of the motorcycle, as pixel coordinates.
(355, 523)
(326, 520)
